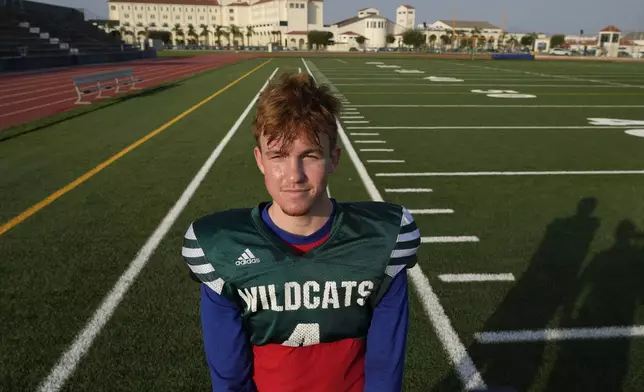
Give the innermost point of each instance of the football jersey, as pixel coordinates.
(325, 295)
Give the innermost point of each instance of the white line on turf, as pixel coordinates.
(512, 173)
(466, 370)
(82, 342)
(356, 122)
(448, 239)
(385, 161)
(365, 133)
(496, 127)
(377, 149)
(432, 211)
(370, 141)
(612, 332)
(504, 106)
(482, 85)
(350, 109)
(466, 278)
(408, 190)
(351, 116)
(342, 61)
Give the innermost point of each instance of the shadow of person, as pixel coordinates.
(534, 300)
(610, 290)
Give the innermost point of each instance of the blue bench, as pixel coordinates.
(99, 82)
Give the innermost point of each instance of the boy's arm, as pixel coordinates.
(226, 344)
(387, 338)
(387, 335)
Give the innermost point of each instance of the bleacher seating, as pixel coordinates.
(68, 32)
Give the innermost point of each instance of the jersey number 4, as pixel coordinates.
(304, 335)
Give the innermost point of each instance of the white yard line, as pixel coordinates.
(430, 84)
(355, 117)
(513, 173)
(449, 239)
(460, 359)
(342, 61)
(377, 149)
(73, 355)
(467, 278)
(385, 161)
(495, 127)
(356, 122)
(610, 84)
(503, 106)
(431, 211)
(540, 335)
(408, 190)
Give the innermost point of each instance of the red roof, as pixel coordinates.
(178, 2)
(610, 28)
(263, 1)
(244, 4)
(297, 32)
(349, 33)
(408, 6)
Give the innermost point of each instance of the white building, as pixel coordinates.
(452, 33)
(254, 23)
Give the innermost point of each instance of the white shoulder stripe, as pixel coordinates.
(217, 286)
(393, 270)
(406, 218)
(404, 252)
(190, 234)
(192, 252)
(414, 235)
(202, 268)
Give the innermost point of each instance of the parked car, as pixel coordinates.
(559, 52)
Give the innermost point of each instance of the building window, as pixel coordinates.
(126, 15)
(292, 5)
(165, 16)
(232, 18)
(232, 11)
(113, 8)
(177, 17)
(189, 17)
(201, 18)
(139, 16)
(152, 16)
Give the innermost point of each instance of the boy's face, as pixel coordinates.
(296, 179)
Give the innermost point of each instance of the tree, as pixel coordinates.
(414, 37)
(192, 33)
(557, 40)
(219, 31)
(319, 38)
(360, 40)
(432, 40)
(235, 32)
(391, 39)
(205, 32)
(178, 31)
(527, 40)
(249, 33)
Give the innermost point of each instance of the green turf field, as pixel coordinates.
(536, 198)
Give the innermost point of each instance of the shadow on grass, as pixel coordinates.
(46, 122)
(538, 294)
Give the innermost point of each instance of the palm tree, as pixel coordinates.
(178, 31)
(235, 32)
(432, 40)
(192, 32)
(219, 31)
(249, 33)
(205, 32)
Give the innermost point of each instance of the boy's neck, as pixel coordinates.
(303, 225)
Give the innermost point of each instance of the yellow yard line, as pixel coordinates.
(54, 196)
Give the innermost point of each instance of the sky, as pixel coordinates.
(544, 16)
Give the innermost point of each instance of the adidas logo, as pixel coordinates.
(247, 258)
